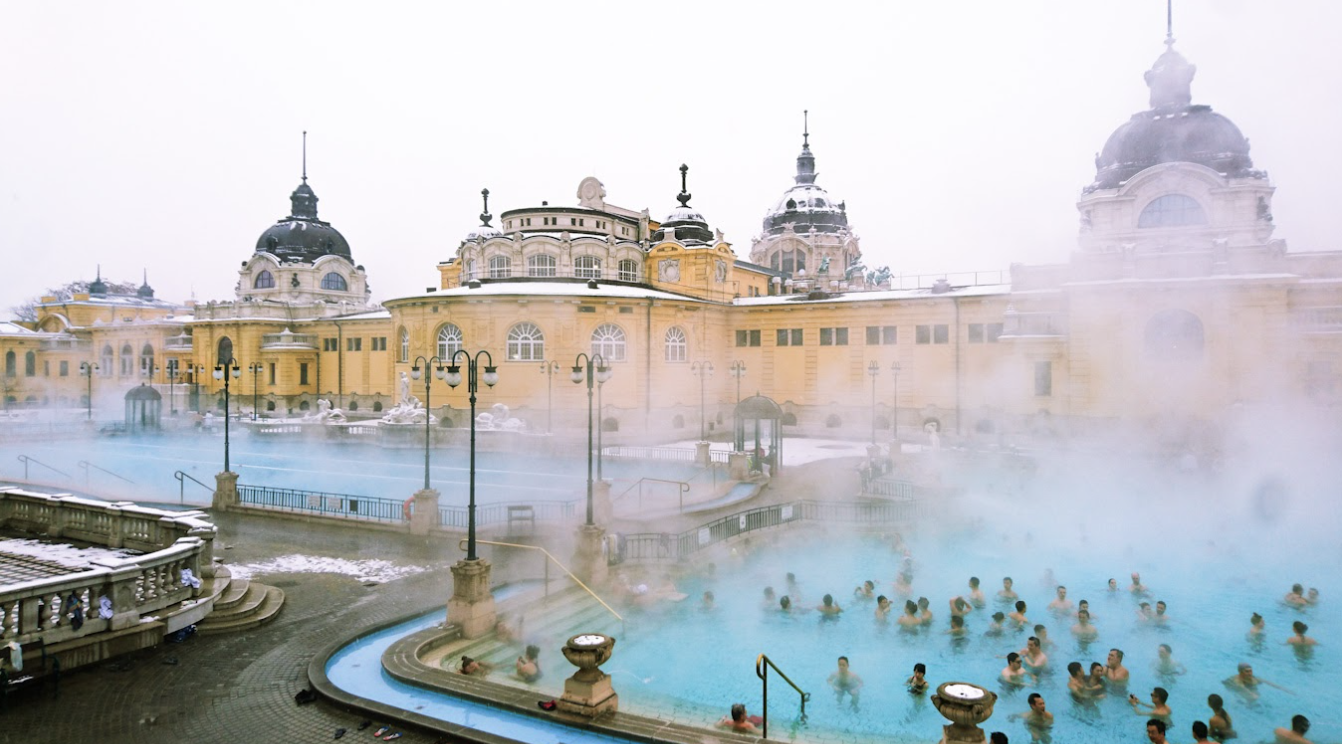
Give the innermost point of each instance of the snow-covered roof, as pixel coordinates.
(371, 315)
(926, 293)
(551, 289)
(120, 300)
(8, 328)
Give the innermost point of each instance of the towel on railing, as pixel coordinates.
(16, 656)
(76, 611)
(104, 607)
(188, 579)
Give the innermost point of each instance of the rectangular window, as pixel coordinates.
(941, 333)
(754, 338)
(840, 336)
(586, 308)
(743, 338)
(833, 336)
(46, 368)
(272, 373)
(353, 344)
(65, 369)
(873, 335)
(992, 332)
(781, 337)
(923, 334)
(379, 343)
(889, 335)
(1043, 378)
(796, 337)
(330, 344)
(626, 311)
(975, 333)
(826, 336)
(790, 336)
(302, 373)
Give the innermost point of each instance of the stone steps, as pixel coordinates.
(258, 605)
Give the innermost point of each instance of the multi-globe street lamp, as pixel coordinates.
(87, 369)
(738, 370)
(591, 367)
(873, 369)
(428, 375)
(491, 376)
(171, 374)
(255, 368)
(704, 370)
(549, 369)
(894, 402)
(225, 369)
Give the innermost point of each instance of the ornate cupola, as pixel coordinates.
(690, 226)
(145, 292)
(485, 231)
(302, 237)
(98, 286)
(806, 206)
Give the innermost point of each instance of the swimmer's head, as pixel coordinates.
(911, 607)
(1215, 702)
(1006, 582)
(1020, 605)
(1062, 592)
(1299, 724)
(882, 600)
(1074, 669)
(1113, 583)
(1299, 627)
(957, 621)
(1040, 630)
(1165, 650)
(922, 602)
(1116, 654)
(1083, 604)
(1255, 618)
(997, 737)
(785, 601)
(738, 712)
(843, 661)
(1160, 695)
(827, 599)
(1096, 667)
(1160, 607)
(1083, 615)
(998, 617)
(768, 592)
(1033, 643)
(1199, 730)
(973, 582)
(1297, 589)
(1157, 724)
(1036, 701)
(920, 668)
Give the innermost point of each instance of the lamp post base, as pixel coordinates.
(472, 604)
(589, 560)
(225, 491)
(424, 516)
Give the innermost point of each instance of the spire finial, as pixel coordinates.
(1169, 23)
(100, 272)
(305, 156)
(146, 276)
(684, 197)
(805, 129)
(485, 216)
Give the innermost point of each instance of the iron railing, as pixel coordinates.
(683, 489)
(891, 488)
(87, 466)
(371, 508)
(762, 664)
(461, 545)
(507, 511)
(182, 478)
(26, 460)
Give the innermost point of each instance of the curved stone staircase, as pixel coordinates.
(239, 604)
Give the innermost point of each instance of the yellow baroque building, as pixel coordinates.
(1178, 309)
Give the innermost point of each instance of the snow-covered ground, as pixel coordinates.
(369, 570)
(60, 553)
(798, 451)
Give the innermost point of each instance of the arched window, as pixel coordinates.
(541, 264)
(1172, 210)
(264, 280)
(335, 282)
(587, 267)
(1174, 335)
(107, 361)
(377, 406)
(304, 406)
(270, 405)
(147, 361)
(405, 345)
(11, 364)
(127, 360)
(628, 270)
(500, 267)
(30, 364)
(449, 341)
(608, 341)
(469, 274)
(225, 350)
(676, 348)
(526, 343)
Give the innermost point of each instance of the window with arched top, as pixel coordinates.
(449, 341)
(587, 267)
(1174, 335)
(11, 364)
(147, 361)
(526, 343)
(1172, 210)
(677, 350)
(405, 345)
(541, 264)
(264, 280)
(225, 349)
(469, 273)
(105, 366)
(127, 367)
(628, 270)
(500, 267)
(334, 281)
(608, 341)
(30, 364)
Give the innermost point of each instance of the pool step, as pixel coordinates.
(254, 605)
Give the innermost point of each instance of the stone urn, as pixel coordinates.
(588, 692)
(965, 706)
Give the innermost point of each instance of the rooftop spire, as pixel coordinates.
(304, 201)
(146, 292)
(805, 161)
(97, 286)
(1171, 77)
(684, 196)
(805, 129)
(485, 216)
(305, 156)
(1169, 23)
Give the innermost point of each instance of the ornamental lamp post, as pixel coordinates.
(704, 370)
(549, 369)
(491, 377)
(591, 367)
(87, 369)
(221, 372)
(738, 370)
(894, 402)
(171, 374)
(873, 369)
(440, 373)
(255, 368)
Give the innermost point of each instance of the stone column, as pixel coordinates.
(472, 604)
(589, 561)
(425, 516)
(225, 491)
(602, 510)
(701, 456)
(120, 588)
(738, 466)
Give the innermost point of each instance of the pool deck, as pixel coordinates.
(233, 688)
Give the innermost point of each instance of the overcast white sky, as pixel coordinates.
(166, 136)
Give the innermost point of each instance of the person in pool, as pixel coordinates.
(1159, 707)
(843, 681)
(1077, 683)
(1219, 725)
(769, 600)
(1007, 592)
(957, 627)
(1017, 617)
(827, 606)
(959, 607)
(528, 664)
(1044, 641)
(1083, 630)
(1137, 587)
(1312, 596)
(975, 594)
(882, 608)
(1165, 665)
(1033, 656)
(1155, 731)
(1115, 674)
(917, 683)
(1098, 688)
(995, 627)
(1113, 585)
(1200, 733)
(910, 620)
(738, 721)
(1160, 618)
(1060, 605)
(904, 583)
(924, 611)
(1084, 605)
(1295, 597)
(785, 603)
(1037, 719)
(1014, 673)
(866, 591)
(1300, 639)
(1256, 627)
(1296, 735)
(1246, 684)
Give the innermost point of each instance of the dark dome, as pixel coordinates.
(301, 236)
(1172, 131)
(691, 227)
(806, 205)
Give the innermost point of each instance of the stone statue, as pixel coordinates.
(498, 418)
(405, 390)
(824, 266)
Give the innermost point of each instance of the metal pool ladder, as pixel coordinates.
(762, 664)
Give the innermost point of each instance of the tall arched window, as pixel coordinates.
(469, 274)
(335, 282)
(608, 341)
(541, 264)
(1172, 210)
(30, 364)
(225, 350)
(1174, 335)
(405, 345)
(11, 364)
(676, 348)
(127, 360)
(587, 267)
(147, 361)
(628, 270)
(449, 341)
(107, 361)
(264, 280)
(500, 267)
(526, 343)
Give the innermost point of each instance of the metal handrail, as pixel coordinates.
(684, 489)
(26, 459)
(181, 479)
(762, 664)
(461, 545)
(85, 464)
